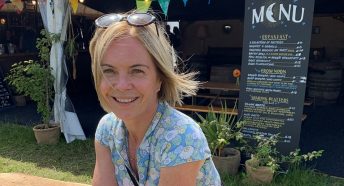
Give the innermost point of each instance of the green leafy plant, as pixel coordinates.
(264, 153)
(220, 129)
(295, 158)
(34, 78)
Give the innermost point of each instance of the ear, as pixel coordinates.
(159, 86)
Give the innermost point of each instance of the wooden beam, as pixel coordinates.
(198, 108)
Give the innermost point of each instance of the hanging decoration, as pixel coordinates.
(185, 1)
(19, 5)
(164, 5)
(74, 4)
(2, 3)
(52, 7)
(209, 2)
(143, 5)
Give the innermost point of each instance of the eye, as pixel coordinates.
(108, 71)
(137, 71)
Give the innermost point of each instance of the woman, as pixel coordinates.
(143, 140)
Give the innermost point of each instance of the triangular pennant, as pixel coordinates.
(164, 5)
(143, 5)
(18, 4)
(2, 3)
(74, 4)
(185, 1)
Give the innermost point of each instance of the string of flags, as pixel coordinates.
(142, 5)
(18, 5)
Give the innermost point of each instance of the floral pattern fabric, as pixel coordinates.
(172, 139)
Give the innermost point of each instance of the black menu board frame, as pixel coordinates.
(274, 68)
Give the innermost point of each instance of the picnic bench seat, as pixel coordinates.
(199, 108)
(212, 96)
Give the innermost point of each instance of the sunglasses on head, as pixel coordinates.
(134, 19)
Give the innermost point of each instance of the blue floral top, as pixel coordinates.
(172, 139)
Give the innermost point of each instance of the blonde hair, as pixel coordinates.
(175, 84)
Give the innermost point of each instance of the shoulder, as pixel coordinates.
(108, 121)
(106, 129)
(173, 119)
(180, 139)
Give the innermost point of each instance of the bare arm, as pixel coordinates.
(104, 170)
(181, 175)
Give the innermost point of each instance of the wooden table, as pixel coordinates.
(198, 108)
(220, 86)
(223, 87)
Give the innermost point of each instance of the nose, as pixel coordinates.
(123, 83)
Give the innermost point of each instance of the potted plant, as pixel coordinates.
(34, 79)
(20, 99)
(220, 130)
(265, 159)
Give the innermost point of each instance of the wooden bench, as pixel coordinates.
(212, 96)
(199, 108)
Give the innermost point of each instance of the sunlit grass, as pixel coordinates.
(74, 162)
(68, 162)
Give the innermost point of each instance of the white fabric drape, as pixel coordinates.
(55, 16)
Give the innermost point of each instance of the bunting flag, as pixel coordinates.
(74, 4)
(209, 2)
(2, 3)
(185, 1)
(143, 5)
(164, 5)
(19, 5)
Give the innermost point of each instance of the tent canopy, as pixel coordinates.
(201, 10)
(83, 10)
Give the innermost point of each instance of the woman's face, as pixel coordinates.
(130, 82)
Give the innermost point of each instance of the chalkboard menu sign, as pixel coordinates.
(274, 68)
(6, 99)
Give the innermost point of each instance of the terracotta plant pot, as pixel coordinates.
(20, 100)
(228, 162)
(258, 174)
(48, 136)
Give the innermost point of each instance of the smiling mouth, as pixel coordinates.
(128, 100)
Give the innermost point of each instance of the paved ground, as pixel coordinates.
(18, 179)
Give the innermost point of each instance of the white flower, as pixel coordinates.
(167, 161)
(170, 135)
(127, 182)
(121, 167)
(187, 152)
(145, 145)
(160, 131)
(196, 135)
(153, 174)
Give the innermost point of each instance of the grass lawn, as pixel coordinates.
(68, 162)
(74, 162)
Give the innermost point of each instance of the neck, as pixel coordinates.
(138, 128)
